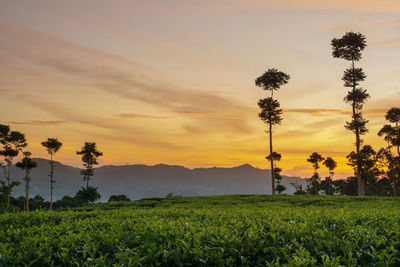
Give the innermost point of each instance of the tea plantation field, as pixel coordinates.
(209, 231)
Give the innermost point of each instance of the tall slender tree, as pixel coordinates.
(313, 182)
(26, 164)
(271, 113)
(13, 142)
(52, 146)
(331, 164)
(349, 47)
(89, 154)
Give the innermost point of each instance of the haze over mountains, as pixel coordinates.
(140, 181)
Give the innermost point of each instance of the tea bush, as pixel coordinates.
(208, 231)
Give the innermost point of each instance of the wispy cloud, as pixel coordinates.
(107, 72)
(140, 116)
(316, 111)
(386, 6)
(39, 123)
(322, 111)
(124, 78)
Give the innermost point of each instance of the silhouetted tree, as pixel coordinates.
(347, 187)
(385, 161)
(88, 195)
(298, 187)
(26, 164)
(52, 146)
(327, 184)
(366, 160)
(13, 142)
(278, 177)
(277, 171)
(66, 202)
(271, 112)
(89, 154)
(313, 182)
(38, 202)
(390, 132)
(349, 47)
(116, 198)
(394, 173)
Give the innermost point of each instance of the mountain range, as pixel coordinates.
(141, 181)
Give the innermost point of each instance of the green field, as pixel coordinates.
(209, 231)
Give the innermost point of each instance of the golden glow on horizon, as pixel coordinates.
(174, 83)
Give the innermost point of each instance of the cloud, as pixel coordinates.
(322, 111)
(207, 113)
(237, 6)
(382, 105)
(39, 123)
(140, 116)
(316, 111)
(362, 23)
(227, 125)
(107, 72)
(390, 42)
(124, 78)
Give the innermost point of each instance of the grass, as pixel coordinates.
(209, 231)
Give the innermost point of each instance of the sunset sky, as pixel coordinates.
(173, 81)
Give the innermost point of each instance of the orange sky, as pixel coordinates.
(173, 81)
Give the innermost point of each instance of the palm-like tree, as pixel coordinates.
(313, 186)
(331, 164)
(52, 146)
(26, 164)
(89, 154)
(271, 112)
(349, 47)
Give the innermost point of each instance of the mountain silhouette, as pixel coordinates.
(140, 181)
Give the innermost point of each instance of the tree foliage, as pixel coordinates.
(272, 80)
(391, 132)
(270, 111)
(90, 154)
(86, 196)
(12, 143)
(116, 198)
(350, 47)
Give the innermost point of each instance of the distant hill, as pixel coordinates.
(139, 181)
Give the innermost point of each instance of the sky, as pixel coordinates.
(173, 81)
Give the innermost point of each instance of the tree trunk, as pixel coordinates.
(27, 180)
(360, 182)
(329, 185)
(271, 160)
(26, 186)
(394, 189)
(51, 181)
(8, 184)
